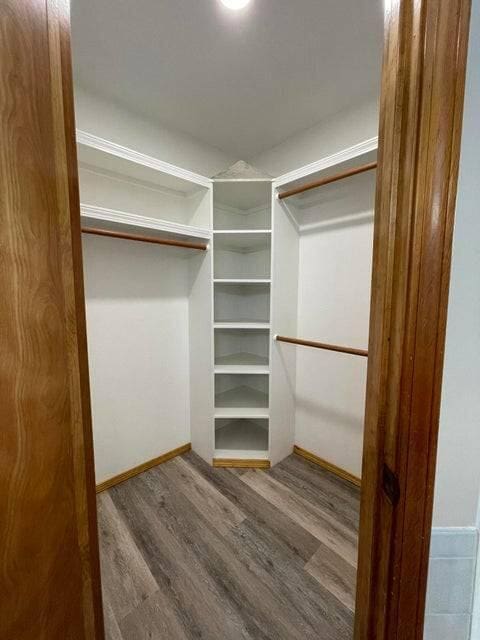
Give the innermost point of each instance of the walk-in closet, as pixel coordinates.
(227, 200)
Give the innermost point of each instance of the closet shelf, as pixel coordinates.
(242, 231)
(242, 396)
(242, 369)
(241, 435)
(242, 358)
(242, 325)
(245, 243)
(98, 153)
(122, 221)
(242, 280)
(242, 402)
(231, 413)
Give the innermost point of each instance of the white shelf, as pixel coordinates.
(362, 152)
(244, 243)
(242, 280)
(231, 413)
(242, 369)
(99, 153)
(243, 195)
(242, 396)
(243, 358)
(114, 220)
(242, 231)
(242, 325)
(241, 402)
(241, 435)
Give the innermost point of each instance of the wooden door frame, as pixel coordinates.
(421, 113)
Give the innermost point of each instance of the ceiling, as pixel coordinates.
(240, 81)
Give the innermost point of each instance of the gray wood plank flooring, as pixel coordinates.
(191, 552)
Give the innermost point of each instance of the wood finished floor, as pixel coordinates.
(193, 552)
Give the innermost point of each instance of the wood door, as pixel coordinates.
(50, 580)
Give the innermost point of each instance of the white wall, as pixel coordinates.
(458, 464)
(138, 331)
(333, 134)
(335, 262)
(110, 121)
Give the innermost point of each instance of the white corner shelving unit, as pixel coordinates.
(242, 250)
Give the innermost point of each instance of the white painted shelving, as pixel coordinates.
(124, 190)
(242, 241)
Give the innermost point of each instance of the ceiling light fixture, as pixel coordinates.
(235, 4)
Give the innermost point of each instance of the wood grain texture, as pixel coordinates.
(335, 574)
(127, 578)
(317, 521)
(227, 562)
(131, 473)
(421, 112)
(341, 473)
(48, 528)
(314, 344)
(169, 242)
(228, 463)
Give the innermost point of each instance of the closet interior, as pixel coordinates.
(206, 298)
(227, 254)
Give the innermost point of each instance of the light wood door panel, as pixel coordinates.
(49, 572)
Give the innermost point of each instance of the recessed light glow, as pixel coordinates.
(235, 4)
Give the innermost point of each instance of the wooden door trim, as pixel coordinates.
(419, 145)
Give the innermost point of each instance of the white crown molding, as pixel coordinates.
(113, 216)
(100, 144)
(349, 153)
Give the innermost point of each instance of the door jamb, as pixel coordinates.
(421, 113)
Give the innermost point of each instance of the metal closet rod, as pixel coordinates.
(323, 345)
(320, 183)
(199, 246)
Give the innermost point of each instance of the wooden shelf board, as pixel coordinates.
(260, 461)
